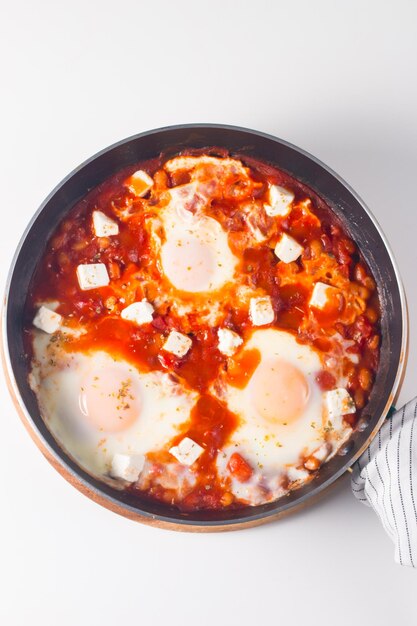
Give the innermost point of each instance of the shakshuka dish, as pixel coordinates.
(202, 332)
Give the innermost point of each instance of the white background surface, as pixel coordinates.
(336, 78)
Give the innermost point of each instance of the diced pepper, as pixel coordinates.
(239, 468)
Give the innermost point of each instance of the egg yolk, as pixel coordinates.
(109, 401)
(279, 391)
(189, 264)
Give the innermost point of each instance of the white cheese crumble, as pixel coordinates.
(320, 295)
(288, 249)
(279, 201)
(229, 341)
(177, 343)
(338, 403)
(47, 320)
(103, 225)
(127, 466)
(92, 276)
(261, 311)
(187, 451)
(140, 183)
(138, 312)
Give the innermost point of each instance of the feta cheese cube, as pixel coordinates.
(229, 341)
(103, 225)
(92, 276)
(127, 466)
(47, 320)
(187, 451)
(288, 249)
(279, 201)
(138, 312)
(177, 343)
(139, 183)
(338, 403)
(321, 295)
(261, 311)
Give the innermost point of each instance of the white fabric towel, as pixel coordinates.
(385, 478)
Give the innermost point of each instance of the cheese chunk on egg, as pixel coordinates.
(127, 466)
(47, 320)
(187, 451)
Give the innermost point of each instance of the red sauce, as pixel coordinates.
(241, 369)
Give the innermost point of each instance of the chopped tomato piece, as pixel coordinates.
(325, 380)
(159, 323)
(239, 468)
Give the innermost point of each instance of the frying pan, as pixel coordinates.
(358, 222)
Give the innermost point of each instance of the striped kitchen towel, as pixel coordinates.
(385, 478)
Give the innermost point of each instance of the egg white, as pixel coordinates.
(57, 378)
(195, 256)
(275, 449)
